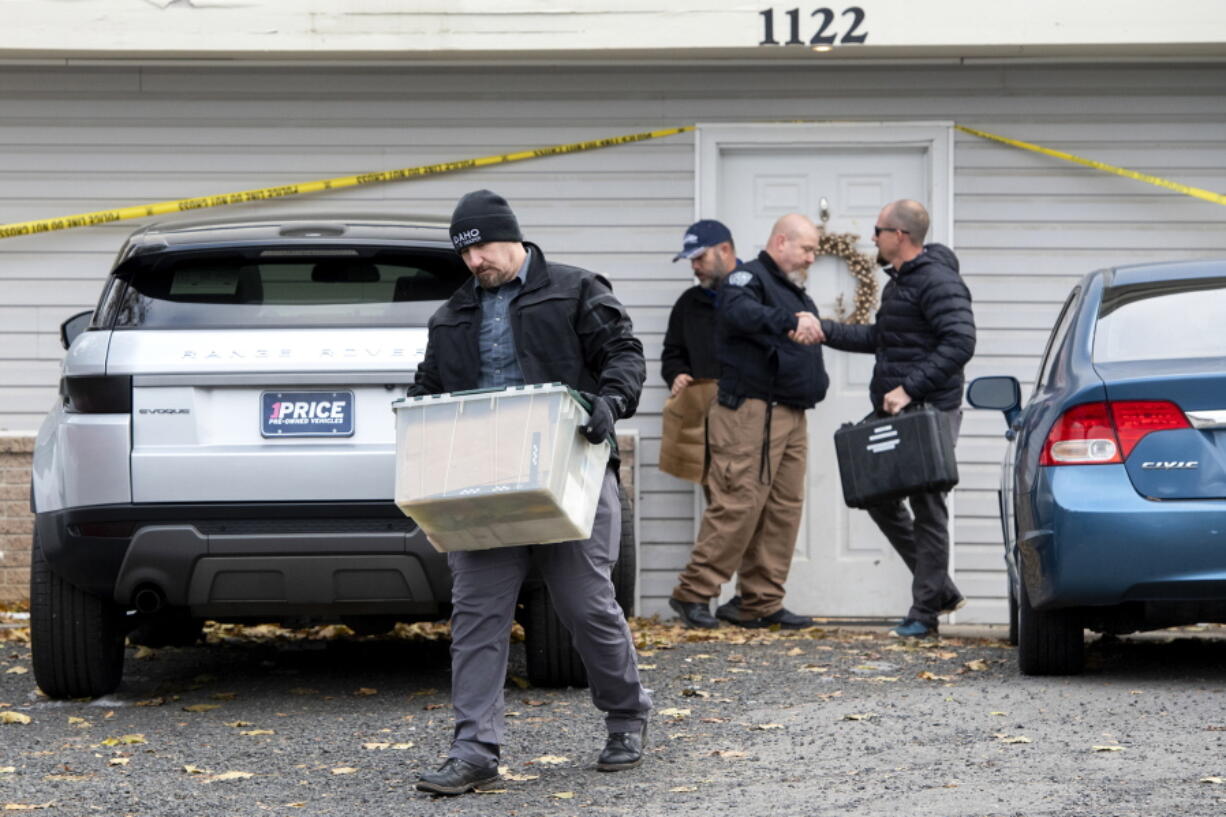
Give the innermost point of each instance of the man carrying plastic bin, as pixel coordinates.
(525, 320)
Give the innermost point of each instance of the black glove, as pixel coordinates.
(605, 411)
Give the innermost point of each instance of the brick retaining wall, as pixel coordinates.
(16, 523)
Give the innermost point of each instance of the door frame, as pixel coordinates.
(934, 138)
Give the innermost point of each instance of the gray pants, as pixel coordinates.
(923, 543)
(485, 588)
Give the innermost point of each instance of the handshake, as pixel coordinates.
(808, 330)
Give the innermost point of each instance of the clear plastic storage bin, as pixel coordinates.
(490, 469)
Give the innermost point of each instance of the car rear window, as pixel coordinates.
(291, 287)
(1162, 319)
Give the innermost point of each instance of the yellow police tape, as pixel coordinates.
(1195, 192)
(265, 193)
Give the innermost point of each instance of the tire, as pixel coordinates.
(76, 638)
(1012, 639)
(625, 572)
(1050, 642)
(552, 659)
(169, 628)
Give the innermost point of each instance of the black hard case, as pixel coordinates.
(891, 457)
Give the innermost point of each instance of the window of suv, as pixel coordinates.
(1160, 320)
(284, 287)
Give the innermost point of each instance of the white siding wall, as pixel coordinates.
(79, 139)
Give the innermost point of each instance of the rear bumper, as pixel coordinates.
(1096, 542)
(242, 559)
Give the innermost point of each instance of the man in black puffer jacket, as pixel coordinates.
(923, 337)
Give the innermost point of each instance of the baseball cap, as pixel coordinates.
(700, 235)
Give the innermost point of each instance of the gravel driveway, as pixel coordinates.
(832, 721)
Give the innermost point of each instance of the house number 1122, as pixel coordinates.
(825, 34)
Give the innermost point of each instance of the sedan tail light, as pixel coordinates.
(1103, 433)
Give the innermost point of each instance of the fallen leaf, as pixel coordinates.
(144, 653)
(295, 805)
(672, 712)
(690, 692)
(231, 776)
(26, 806)
(490, 791)
(344, 770)
(75, 721)
(930, 676)
(195, 770)
(375, 746)
(684, 788)
(814, 668)
(1214, 780)
(522, 683)
(224, 696)
(762, 727)
(17, 670)
(729, 754)
(14, 717)
(365, 691)
(254, 732)
(550, 760)
(124, 740)
(865, 716)
(563, 795)
(201, 707)
(999, 714)
(8, 769)
(795, 651)
(505, 771)
(1014, 739)
(533, 702)
(978, 665)
(430, 707)
(238, 724)
(71, 778)
(714, 720)
(118, 761)
(407, 745)
(151, 702)
(945, 655)
(647, 666)
(1106, 748)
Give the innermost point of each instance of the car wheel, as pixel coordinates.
(169, 628)
(1050, 642)
(1012, 611)
(76, 638)
(552, 659)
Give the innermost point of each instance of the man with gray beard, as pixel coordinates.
(771, 372)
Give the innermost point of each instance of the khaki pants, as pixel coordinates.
(753, 517)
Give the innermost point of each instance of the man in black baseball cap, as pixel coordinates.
(526, 320)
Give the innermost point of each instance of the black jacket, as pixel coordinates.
(756, 311)
(689, 343)
(568, 328)
(924, 334)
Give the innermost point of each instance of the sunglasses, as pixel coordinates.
(879, 230)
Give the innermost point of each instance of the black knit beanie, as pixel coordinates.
(481, 216)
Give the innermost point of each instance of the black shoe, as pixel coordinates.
(623, 750)
(783, 618)
(730, 611)
(456, 777)
(694, 615)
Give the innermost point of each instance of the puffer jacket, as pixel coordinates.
(924, 333)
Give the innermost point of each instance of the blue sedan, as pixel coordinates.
(1113, 491)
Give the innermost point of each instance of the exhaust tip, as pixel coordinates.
(149, 599)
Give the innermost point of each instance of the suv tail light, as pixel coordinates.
(1103, 433)
(97, 394)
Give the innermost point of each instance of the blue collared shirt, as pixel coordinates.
(496, 343)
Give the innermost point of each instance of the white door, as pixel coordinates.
(843, 565)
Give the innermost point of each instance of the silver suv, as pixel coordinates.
(224, 446)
